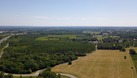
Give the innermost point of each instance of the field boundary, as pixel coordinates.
(134, 69)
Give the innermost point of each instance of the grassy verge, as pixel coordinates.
(36, 77)
(134, 58)
(23, 77)
(64, 77)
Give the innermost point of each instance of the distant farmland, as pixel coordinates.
(100, 64)
(56, 37)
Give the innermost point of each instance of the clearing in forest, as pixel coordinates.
(100, 64)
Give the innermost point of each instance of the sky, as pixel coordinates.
(68, 12)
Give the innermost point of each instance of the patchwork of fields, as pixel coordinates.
(56, 37)
(100, 64)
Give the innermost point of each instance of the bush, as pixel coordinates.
(48, 74)
(70, 62)
(132, 52)
(125, 57)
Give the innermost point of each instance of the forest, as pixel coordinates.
(26, 54)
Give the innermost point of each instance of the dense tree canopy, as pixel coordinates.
(25, 54)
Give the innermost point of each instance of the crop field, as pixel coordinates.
(55, 37)
(63, 36)
(46, 38)
(100, 64)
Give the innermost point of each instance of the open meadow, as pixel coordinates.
(100, 64)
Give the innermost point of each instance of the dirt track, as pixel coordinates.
(39, 71)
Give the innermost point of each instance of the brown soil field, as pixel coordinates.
(100, 64)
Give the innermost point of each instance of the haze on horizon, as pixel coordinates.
(68, 13)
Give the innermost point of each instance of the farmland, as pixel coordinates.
(56, 37)
(100, 64)
(70, 51)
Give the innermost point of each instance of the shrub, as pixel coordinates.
(70, 62)
(132, 52)
(48, 74)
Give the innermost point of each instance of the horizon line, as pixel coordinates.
(58, 26)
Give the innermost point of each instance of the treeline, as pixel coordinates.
(114, 46)
(25, 54)
(110, 39)
(109, 46)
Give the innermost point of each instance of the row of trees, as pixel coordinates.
(111, 46)
(25, 54)
(114, 46)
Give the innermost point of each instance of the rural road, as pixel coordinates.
(1, 41)
(4, 39)
(39, 71)
(3, 49)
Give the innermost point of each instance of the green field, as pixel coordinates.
(55, 37)
(63, 36)
(134, 57)
(46, 38)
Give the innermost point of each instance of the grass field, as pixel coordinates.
(100, 64)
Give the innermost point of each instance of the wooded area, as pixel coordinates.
(25, 54)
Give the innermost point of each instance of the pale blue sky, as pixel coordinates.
(68, 12)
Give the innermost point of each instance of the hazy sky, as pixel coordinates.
(68, 12)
